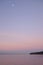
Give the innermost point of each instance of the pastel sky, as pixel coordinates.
(21, 24)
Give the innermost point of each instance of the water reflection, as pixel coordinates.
(21, 59)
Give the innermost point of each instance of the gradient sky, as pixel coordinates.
(21, 24)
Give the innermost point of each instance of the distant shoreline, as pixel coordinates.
(36, 53)
(13, 53)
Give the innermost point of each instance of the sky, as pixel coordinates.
(21, 25)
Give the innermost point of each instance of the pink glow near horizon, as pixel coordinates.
(14, 42)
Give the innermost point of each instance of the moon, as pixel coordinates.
(12, 4)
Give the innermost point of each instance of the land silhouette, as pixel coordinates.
(37, 53)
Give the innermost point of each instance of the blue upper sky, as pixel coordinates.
(21, 20)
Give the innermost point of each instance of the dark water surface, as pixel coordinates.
(21, 59)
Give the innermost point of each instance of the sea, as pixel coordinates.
(21, 59)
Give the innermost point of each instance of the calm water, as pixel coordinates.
(21, 59)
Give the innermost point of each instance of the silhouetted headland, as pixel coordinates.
(37, 53)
